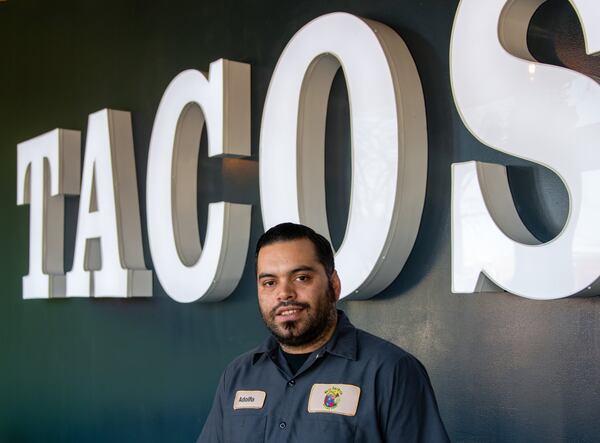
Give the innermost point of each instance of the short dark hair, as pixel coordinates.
(292, 231)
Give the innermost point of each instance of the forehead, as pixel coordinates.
(287, 255)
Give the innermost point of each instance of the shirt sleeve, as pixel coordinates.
(409, 409)
(213, 427)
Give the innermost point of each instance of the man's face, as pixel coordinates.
(296, 299)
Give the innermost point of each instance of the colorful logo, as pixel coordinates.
(332, 397)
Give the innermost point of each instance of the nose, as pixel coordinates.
(286, 291)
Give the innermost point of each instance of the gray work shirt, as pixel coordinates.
(356, 388)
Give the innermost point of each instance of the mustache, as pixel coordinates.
(289, 304)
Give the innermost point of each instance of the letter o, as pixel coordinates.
(389, 144)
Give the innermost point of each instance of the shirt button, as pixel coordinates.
(282, 425)
(291, 382)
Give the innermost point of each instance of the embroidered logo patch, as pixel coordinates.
(334, 398)
(249, 399)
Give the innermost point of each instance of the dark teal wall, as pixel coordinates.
(78, 370)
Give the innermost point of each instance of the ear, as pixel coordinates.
(336, 284)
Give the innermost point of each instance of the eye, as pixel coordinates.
(268, 283)
(303, 278)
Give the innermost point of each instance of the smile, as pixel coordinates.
(289, 312)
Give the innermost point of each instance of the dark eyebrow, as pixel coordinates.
(265, 274)
(303, 269)
(293, 271)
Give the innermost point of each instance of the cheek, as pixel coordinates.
(264, 303)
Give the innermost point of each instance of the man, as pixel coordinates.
(317, 378)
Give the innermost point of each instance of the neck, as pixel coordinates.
(315, 344)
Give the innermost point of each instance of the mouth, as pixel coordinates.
(289, 313)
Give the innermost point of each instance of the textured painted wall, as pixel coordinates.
(504, 368)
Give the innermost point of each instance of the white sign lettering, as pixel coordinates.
(109, 260)
(389, 145)
(506, 99)
(548, 115)
(186, 271)
(47, 169)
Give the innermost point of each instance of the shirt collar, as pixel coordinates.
(342, 343)
(267, 347)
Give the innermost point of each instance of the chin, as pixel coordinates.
(289, 329)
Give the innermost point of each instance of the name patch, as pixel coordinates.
(334, 398)
(249, 399)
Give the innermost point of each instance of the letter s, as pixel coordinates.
(546, 114)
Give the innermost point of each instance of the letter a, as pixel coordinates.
(109, 260)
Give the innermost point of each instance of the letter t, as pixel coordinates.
(48, 167)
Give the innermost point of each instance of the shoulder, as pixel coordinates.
(249, 364)
(387, 356)
(242, 361)
(398, 376)
(371, 346)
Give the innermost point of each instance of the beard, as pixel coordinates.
(298, 333)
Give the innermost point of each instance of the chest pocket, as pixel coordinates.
(329, 428)
(244, 427)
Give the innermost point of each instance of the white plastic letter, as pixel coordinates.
(186, 270)
(546, 114)
(108, 260)
(47, 169)
(389, 144)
